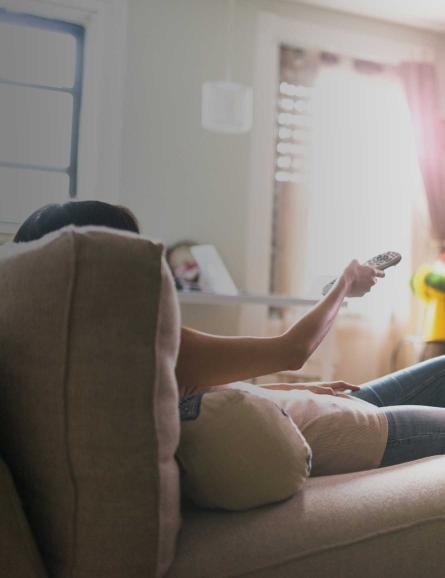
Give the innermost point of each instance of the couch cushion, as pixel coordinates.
(19, 557)
(88, 415)
(239, 451)
(383, 523)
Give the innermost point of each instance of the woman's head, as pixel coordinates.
(79, 213)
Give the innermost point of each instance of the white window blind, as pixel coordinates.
(293, 121)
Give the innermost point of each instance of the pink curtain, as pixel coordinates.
(421, 89)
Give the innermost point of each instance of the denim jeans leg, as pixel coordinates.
(414, 432)
(420, 384)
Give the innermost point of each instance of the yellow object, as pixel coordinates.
(418, 282)
(434, 322)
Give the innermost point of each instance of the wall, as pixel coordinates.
(183, 182)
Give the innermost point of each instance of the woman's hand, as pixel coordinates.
(323, 388)
(359, 278)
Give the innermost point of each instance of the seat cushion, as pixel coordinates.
(239, 451)
(19, 557)
(89, 422)
(377, 523)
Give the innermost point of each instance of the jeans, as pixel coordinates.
(413, 401)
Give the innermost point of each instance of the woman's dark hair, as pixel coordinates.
(79, 213)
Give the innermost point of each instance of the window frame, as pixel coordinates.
(78, 32)
(101, 118)
(271, 32)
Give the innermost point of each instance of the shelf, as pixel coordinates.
(203, 298)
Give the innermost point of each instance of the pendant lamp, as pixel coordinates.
(227, 105)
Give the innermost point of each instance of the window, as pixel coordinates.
(346, 176)
(41, 63)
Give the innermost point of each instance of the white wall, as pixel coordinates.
(183, 182)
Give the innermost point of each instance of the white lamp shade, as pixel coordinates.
(227, 107)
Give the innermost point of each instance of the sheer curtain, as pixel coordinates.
(422, 93)
(362, 184)
(358, 198)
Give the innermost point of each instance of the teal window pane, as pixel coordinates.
(35, 126)
(35, 56)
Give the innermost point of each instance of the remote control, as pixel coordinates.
(382, 261)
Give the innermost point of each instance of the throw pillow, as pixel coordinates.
(238, 451)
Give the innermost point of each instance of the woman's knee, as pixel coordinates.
(433, 364)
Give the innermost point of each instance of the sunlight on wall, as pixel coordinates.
(363, 182)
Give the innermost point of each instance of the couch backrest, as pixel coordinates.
(89, 334)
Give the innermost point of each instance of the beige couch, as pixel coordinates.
(89, 487)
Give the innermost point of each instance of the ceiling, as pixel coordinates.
(420, 13)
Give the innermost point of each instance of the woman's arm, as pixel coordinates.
(208, 360)
(324, 388)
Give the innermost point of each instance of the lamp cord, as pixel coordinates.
(229, 37)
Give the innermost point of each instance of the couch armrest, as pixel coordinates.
(18, 552)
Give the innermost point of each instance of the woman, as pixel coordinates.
(390, 420)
